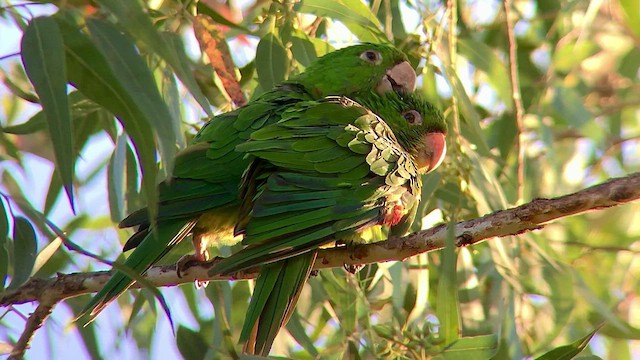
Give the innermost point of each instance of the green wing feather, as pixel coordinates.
(305, 201)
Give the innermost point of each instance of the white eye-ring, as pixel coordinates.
(371, 56)
(413, 117)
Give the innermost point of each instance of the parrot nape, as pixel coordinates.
(330, 170)
(201, 197)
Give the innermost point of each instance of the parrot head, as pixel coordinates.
(359, 69)
(418, 126)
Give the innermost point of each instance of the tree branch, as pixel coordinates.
(35, 322)
(527, 217)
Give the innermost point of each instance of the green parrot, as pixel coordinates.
(329, 170)
(201, 198)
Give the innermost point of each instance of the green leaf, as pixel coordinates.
(24, 251)
(55, 185)
(132, 17)
(44, 62)
(568, 352)
(36, 123)
(571, 54)
(485, 59)
(354, 14)
(135, 77)
(306, 49)
(272, 61)
(631, 11)
(630, 63)
(470, 127)
(90, 73)
(295, 328)
(447, 303)
(472, 348)
(45, 254)
(203, 8)
(191, 344)
(115, 179)
(4, 251)
(569, 108)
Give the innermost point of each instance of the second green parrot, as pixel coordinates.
(329, 170)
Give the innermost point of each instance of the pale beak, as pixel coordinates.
(432, 154)
(401, 78)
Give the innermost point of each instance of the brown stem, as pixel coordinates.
(35, 322)
(515, 95)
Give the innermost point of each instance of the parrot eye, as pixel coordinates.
(371, 56)
(413, 117)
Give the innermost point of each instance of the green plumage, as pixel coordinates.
(202, 196)
(296, 202)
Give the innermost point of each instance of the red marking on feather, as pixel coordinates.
(393, 217)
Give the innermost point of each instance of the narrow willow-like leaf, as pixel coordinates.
(354, 14)
(135, 77)
(44, 62)
(569, 351)
(116, 179)
(631, 11)
(204, 9)
(4, 251)
(138, 24)
(191, 344)
(46, 253)
(25, 249)
(36, 123)
(472, 348)
(55, 186)
(272, 61)
(485, 59)
(447, 303)
(295, 328)
(307, 49)
(90, 73)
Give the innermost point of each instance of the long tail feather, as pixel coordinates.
(274, 299)
(154, 246)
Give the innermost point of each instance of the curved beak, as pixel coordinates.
(401, 78)
(432, 154)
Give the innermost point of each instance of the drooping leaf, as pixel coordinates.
(44, 62)
(132, 17)
(191, 344)
(569, 351)
(472, 348)
(447, 305)
(24, 251)
(485, 59)
(4, 243)
(272, 62)
(354, 14)
(131, 71)
(90, 73)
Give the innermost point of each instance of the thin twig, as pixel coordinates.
(515, 95)
(527, 217)
(35, 322)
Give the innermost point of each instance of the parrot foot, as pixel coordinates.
(188, 261)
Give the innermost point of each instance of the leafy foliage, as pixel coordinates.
(135, 91)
